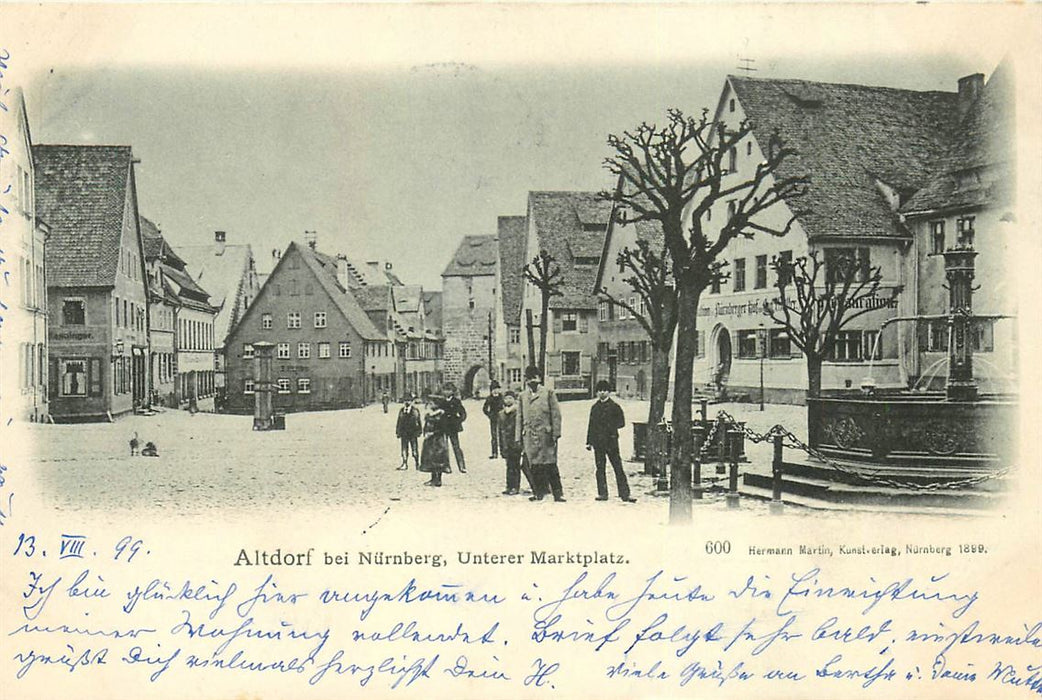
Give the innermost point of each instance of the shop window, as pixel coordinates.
(747, 344)
(73, 377)
(780, 344)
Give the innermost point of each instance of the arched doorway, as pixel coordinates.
(475, 378)
(721, 369)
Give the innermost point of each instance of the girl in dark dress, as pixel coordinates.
(434, 457)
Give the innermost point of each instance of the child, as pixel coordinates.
(435, 456)
(509, 427)
(493, 405)
(602, 436)
(408, 429)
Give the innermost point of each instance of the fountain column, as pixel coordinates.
(262, 385)
(959, 269)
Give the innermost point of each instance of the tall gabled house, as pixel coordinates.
(510, 354)
(23, 300)
(96, 281)
(328, 353)
(867, 150)
(571, 226)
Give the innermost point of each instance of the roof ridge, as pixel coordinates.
(860, 86)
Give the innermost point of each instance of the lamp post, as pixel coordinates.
(762, 332)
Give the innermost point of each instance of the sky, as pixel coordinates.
(424, 129)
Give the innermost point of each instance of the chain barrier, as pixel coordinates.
(791, 441)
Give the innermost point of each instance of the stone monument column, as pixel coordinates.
(262, 385)
(959, 270)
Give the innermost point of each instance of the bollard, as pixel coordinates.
(776, 474)
(703, 409)
(699, 436)
(733, 435)
(724, 446)
(662, 446)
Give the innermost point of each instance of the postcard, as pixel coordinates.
(519, 351)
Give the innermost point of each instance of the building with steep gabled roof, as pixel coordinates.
(96, 281)
(329, 353)
(181, 328)
(571, 226)
(510, 351)
(469, 296)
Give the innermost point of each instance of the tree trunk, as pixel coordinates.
(813, 387)
(683, 446)
(531, 338)
(543, 325)
(655, 449)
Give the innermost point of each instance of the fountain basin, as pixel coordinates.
(915, 433)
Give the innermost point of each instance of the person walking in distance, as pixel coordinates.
(602, 436)
(453, 419)
(509, 426)
(408, 430)
(493, 405)
(540, 431)
(385, 399)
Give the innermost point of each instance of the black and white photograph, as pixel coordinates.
(519, 350)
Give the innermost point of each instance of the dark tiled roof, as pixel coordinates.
(407, 298)
(513, 236)
(81, 192)
(475, 256)
(343, 299)
(847, 137)
(375, 298)
(984, 140)
(432, 309)
(555, 218)
(155, 245)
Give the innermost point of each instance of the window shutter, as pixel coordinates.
(557, 323)
(923, 332)
(94, 376)
(584, 363)
(584, 322)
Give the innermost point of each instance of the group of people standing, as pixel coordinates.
(524, 429)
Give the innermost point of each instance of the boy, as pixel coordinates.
(453, 419)
(602, 436)
(408, 429)
(509, 426)
(493, 405)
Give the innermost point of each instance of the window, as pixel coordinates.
(247, 386)
(303, 385)
(283, 386)
(282, 351)
(514, 375)
(937, 336)
(345, 349)
(739, 274)
(266, 321)
(936, 237)
(323, 351)
(747, 344)
(569, 321)
(293, 319)
(602, 351)
(965, 228)
(841, 262)
(73, 312)
(74, 377)
(714, 285)
(761, 271)
(320, 319)
(602, 310)
(247, 351)
(749, 147)
(732, 160)
(732, 209)
(780, 345)
(570, 363)
(700, 348)
(621, 352)
(515, 336)
(983, 335)
(869, 349)
(644, 346)
(303, 350)
(785, 267)
(847, 347)
(731, 105)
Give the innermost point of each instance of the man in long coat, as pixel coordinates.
(540, 431)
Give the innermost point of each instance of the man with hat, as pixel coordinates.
(540, 431)
(408, 429)
(493, 405)
(602, 436)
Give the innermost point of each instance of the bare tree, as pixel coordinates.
(545, 275)
(675, 169)
(817, 298)
(651, 279)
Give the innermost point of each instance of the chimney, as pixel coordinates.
(276, 255)
(218, 241)
(970, 89)
(311, 238)
(343, 275)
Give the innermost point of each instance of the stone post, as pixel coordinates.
(262, 385)
(959, 269)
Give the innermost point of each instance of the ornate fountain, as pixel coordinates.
(924, 435)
